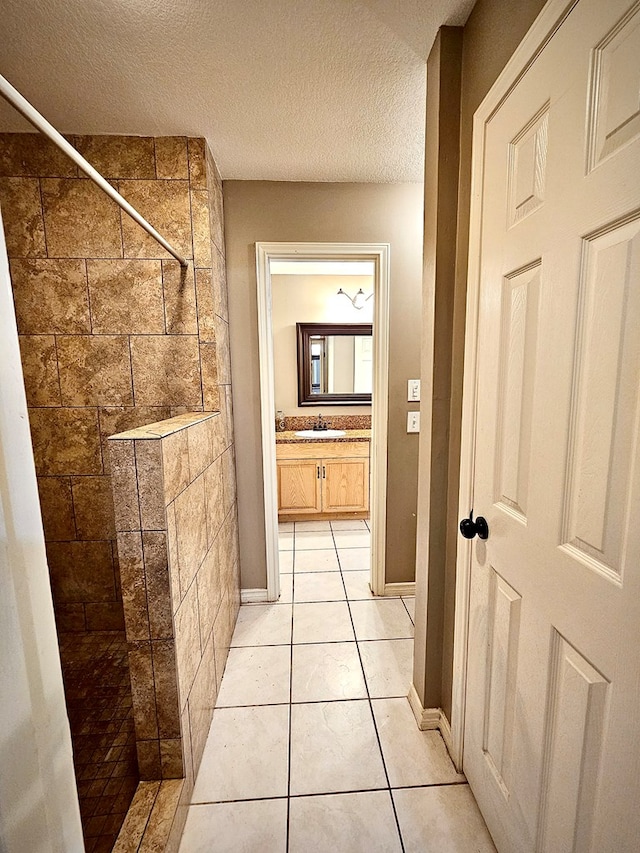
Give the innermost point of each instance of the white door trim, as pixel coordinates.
(543, 28)
(379, 253)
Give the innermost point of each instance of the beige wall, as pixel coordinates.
(310, 299)
(275, 211)
(492, 33)
(441, 166)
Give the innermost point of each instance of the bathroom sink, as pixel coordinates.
(320, 433)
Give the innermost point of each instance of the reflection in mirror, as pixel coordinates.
(341, 364)
(335, 363)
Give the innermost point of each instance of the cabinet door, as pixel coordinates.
(345, 485)
(299, 486)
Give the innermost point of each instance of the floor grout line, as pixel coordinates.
(375, 727)
(329, 793)
(320, 643)
(407, 609)
(293, 587)
(308, 702)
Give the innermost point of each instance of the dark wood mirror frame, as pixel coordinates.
(304, 334)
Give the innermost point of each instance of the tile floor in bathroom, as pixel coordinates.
(313, 745)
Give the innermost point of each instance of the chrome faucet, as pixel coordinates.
(320, 424)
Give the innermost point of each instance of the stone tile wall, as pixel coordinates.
(175, 497)
(113, 333)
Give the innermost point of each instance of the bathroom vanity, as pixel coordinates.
(323, 478)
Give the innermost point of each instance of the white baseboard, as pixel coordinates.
(430, 718)
(253, 596)
(426, 718)
(400, 588)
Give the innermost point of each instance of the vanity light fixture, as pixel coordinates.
(358, 300)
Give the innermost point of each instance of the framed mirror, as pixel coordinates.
(335, 364)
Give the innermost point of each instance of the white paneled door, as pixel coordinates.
(552, 732)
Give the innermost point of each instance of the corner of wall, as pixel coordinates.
(441, 195)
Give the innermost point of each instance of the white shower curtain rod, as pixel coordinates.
(10, 94)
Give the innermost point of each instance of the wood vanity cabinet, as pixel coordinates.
(299, 486)
(345, 485)
(325, 479)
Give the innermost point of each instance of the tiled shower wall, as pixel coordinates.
(113, 334)
(175, 495)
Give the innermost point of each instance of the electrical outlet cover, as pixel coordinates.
(413, 421)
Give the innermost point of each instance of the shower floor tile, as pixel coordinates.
(95, 672)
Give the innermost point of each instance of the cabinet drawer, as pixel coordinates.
(323, 450)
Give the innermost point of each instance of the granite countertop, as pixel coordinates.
(289, 437)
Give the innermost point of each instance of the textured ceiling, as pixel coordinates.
(296, 90)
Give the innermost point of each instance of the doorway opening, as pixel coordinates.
(300, 482)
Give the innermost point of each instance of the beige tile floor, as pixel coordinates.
(313, 746)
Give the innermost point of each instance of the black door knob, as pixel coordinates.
(470, 528)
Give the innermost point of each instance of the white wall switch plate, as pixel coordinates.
(413, 421)
(413, 391)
